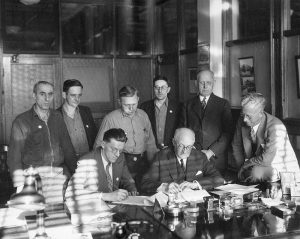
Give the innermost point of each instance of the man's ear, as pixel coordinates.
(102, 144)
(64, 95)
(119, 102)
(34, 96)
(173, 141)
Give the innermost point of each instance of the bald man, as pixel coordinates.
(261, 146)
(181, 166)
(210, 118)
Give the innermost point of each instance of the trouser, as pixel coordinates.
(137, 165)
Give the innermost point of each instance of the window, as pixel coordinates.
(30, 28)
(87, 28)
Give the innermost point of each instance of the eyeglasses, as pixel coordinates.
(162, 88)
(208, 83)
(115, 150)
(185, 148)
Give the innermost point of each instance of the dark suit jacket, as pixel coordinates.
(172, 118)
(90, 176)
(213, 128)
(88, 123)
(165, 169)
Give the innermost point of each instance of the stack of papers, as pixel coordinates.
(238, 189)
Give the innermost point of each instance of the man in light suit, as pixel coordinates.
(103, 173)
(181, 166)
(261, 146)
(209, 116)
(163, 112)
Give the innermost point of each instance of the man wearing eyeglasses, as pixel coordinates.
(162, 112)
(78, 118)
(102, 173)
(261, 146)
(140, 146)
(209, 116)
(181, 166)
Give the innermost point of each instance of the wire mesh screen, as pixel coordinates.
(23, 77)
(137, 73)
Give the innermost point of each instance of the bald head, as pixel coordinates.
(183, 142)
(183, 133)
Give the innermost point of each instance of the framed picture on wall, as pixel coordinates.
(192, 73)
(246, 69)
(297, 58)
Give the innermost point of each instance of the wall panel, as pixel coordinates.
(137, 73)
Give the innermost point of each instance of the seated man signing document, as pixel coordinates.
(180, 167)
(103, 173)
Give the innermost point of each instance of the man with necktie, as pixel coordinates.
(209, 116)
(181, 166)
(261, 146)
(103, 173)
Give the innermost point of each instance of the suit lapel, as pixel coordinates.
(260, 132)
(117, 170)
(172, 166)
(196, 107)
(247, 141)
(210, 106)
(101, 173)
(152, 117)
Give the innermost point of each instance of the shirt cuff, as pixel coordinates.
(199, 186)
(162, 188)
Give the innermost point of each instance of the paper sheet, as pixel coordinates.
(193, 195)
(12, 217)
(135, 200)
(233, 186)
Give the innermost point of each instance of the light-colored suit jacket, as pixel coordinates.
(90, 177)
(273, 146)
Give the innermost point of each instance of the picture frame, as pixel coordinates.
(247, 76)
(297, 61)
(192, 74)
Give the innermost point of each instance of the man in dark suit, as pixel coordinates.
(78, 119)
(103, 173)
(181, 166)
(162, 112)
(209, 116)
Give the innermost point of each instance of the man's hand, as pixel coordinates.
(174, 188)
(191, 185)
(117, 195)
(208, 153)
(242, 169)
(133, 193)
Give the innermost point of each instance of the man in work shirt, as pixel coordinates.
(140, 146)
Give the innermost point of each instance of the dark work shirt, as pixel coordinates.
(38, 143)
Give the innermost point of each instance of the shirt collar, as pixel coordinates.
(36, 113)
(124, 115)
(202, 97)
(104, 161)
(166, 102)
(69, 110)
(184, 160)
(255, 128)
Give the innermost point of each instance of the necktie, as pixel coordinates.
(182, 164)
(108, 177)
(253, 140)
(253, 135)
(203, 103)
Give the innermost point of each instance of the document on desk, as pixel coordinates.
(238, 189)
(12, 217)
(135, 200)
